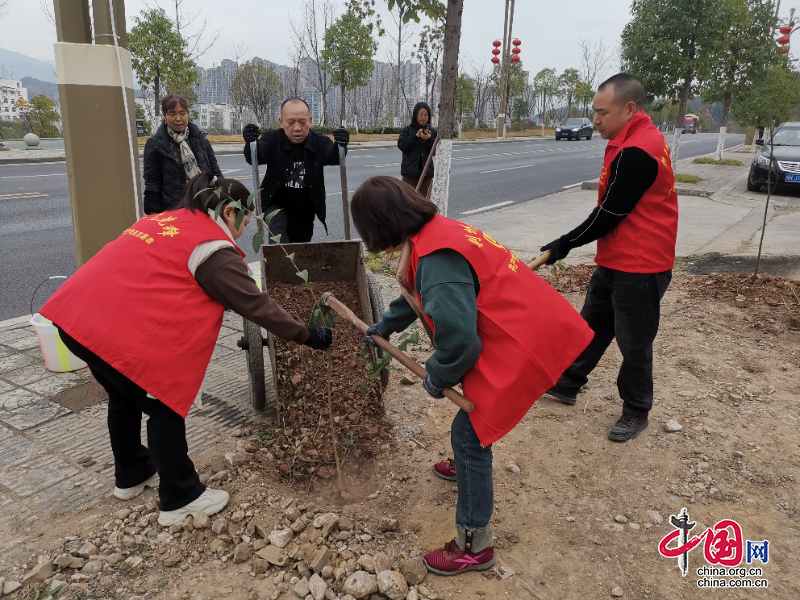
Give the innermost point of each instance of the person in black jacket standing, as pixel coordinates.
(294, 181)
(177, 152)
(416, 142)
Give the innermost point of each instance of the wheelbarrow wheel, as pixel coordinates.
(255, 364)
(376, 300)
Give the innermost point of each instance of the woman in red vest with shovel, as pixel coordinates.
(498, 329)
(145, 313)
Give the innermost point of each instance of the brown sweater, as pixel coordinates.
(224, 276)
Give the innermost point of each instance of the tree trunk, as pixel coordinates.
(397, 83)
(676, 139)
(447, 104)
(723, 127)
(342, 98)
(157, 94)
(355, 108)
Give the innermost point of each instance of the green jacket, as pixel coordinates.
(449, 290)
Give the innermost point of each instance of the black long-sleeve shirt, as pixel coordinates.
(632, 173)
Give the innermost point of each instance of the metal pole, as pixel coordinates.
(345, 199)
(502, 88)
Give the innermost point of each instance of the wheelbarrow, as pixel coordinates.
(325, 261)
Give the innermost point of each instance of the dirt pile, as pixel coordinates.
(772, 303)
(302, 444)
(573, 278)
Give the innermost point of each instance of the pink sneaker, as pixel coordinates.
(446, 469)
(451, 560)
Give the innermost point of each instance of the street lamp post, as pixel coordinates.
(504, 69)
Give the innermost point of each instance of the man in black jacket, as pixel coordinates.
(294, 182)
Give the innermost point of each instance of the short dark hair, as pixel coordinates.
(202, 188)
(627, 88)
(295, 99)
(171, 101)
(417, 107)
(386, 211)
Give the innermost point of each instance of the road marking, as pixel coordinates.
(339, 193)
(22, 196)
(566, 187)
(226, 171)
(455, 158)
(506, 169)
(490, 207)
(28, 176)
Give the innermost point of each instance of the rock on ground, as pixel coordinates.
(414, 570)
(281, 537)
(672, 426)
(39, 573)
(317, 587)
(360, 585)
(392, 585)
(381, 562)
(617, 592)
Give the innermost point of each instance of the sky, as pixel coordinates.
(549, 31)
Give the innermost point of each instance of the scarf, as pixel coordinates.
(187, 156)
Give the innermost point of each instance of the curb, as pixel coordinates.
(15, 321)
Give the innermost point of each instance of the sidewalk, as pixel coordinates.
(55, 455)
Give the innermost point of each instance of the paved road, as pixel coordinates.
(36, 229)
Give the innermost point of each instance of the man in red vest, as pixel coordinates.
(635, 224)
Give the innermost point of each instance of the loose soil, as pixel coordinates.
(582, 517)
(302, 443)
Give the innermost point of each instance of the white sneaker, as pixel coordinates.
(132, 492)
(210, 502)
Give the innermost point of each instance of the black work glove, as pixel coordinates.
(341, 136)
(373, 330)
(250, 133)
(319, 338)
(430, 387)
(558, 250)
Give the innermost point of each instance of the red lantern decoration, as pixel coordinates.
(783, 50)
(516, 50)
(783, 40)
(497, 43)
(786, 29)
(516, 42)
(496, 51)
(495, 60)
(515, 58)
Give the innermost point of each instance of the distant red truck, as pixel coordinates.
(690, 123)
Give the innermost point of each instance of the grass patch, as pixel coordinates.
(705, 160)
(684, 178)
(40, 593)
(381, 262)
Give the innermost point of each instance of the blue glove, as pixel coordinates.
(430, 387)
(373, 330)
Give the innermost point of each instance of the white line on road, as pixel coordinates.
(28, 176)
(506, 169)
(490, 207)
(227, 171)
(566, 187)
(339, 193)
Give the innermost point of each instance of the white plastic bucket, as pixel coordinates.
(56, 355)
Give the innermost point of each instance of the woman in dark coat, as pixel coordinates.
(416, 142)
(177, 152)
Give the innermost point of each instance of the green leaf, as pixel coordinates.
(270, 216)
(290, 256)
(251, 200)
(308, 285)
(218, 210)
(258, 240)
(276, 238)
(239, 219)
(303, 275)
(347, 442)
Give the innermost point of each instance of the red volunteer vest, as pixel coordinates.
(644, 242)
(530, 334)
(137, 306)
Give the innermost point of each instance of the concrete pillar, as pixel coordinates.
(101, 173)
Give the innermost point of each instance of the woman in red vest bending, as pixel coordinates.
(145, 313)
(498, 329)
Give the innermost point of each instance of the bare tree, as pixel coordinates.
(292, 80)
(480, 77)
(401, 33)
(257, 87)
(198, 35)
(429, 53)
(309, 35)
(594, 61)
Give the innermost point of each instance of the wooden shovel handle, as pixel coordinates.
(538, 262)
(396, 353)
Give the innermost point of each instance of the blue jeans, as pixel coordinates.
(625, 306)
(474, 476)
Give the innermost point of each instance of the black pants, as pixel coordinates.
(292, 229)
(626, 306)
(168, 453)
